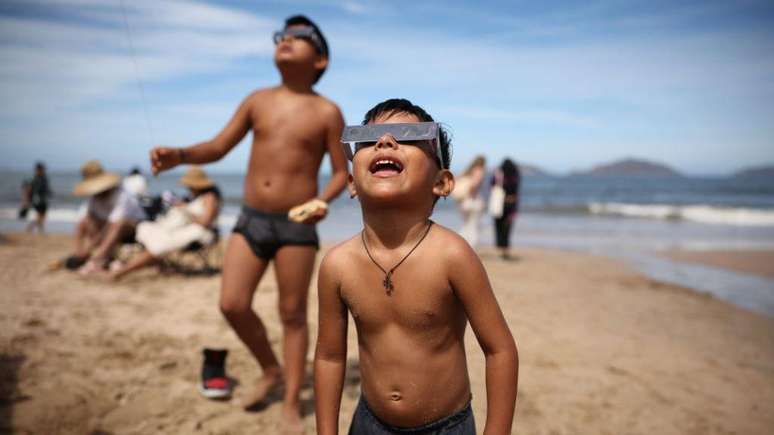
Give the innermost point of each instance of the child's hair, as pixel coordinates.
(509, 168)
(480, 160)
(301, 20)
(401, 105)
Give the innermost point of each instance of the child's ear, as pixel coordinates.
(321, 63)
(351, 185)
(444, 183)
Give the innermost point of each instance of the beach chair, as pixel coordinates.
(196, 258)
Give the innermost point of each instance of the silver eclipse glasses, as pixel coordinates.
(356, 137)
(302, 32)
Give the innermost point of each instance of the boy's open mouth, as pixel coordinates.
(385, 167)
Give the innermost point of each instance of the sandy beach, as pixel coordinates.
(603, 350)
(753, 262)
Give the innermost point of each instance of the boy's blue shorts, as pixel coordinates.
(364, 422)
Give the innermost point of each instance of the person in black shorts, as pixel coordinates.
(293, 129)
(39, 194)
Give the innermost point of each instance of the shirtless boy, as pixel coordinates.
(293, 127)
(411, 286)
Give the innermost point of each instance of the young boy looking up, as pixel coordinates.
(411, 286)
(293, 127)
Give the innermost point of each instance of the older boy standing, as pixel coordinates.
(293, 127)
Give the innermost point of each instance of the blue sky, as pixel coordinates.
(559, 84)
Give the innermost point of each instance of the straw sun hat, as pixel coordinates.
(196, 178)
(95, 180)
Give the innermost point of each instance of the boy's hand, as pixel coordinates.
(163, 158)
(310, 212)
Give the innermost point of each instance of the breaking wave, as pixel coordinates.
(694, 213)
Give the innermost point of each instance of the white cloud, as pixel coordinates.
(71, 63)
(354, 7)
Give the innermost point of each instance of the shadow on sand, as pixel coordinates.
(351, 389)
(9, 394)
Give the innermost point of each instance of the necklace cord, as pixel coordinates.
(388, 274)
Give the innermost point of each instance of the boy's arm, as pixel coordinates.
(338, 160)
(471, 285)
(331, 355)
(163, 158)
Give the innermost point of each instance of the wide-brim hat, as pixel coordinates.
(196, 178)
(95, 180)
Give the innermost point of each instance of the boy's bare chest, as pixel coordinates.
(418, 300)
(297, 122)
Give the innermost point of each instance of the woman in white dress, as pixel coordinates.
(186, 223)
(470, 203)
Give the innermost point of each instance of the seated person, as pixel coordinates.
(184, 224)
(135, 183)
(107, 219)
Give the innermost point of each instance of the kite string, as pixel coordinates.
(137, 74)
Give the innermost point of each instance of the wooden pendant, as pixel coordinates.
(387, 283)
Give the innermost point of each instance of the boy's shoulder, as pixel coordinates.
(272, 95)
(316, 97)
(452, 244)
(326, 105)
(262, 92)
(447, 245)
(450, 247)
(341, 254)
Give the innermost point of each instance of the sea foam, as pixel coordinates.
(694, 213)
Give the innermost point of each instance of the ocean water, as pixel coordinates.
(627, 218)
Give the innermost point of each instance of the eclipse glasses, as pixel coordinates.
(356, 137)
(301, 32)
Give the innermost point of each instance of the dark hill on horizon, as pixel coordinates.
(755, 172)
(630, 167)
(528, 170)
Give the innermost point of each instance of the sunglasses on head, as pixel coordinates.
(356, 137)
(300, 32)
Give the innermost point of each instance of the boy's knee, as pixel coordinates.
(84, 227)
(232, 309)
(293, 316)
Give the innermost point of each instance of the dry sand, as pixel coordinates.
(603, 351)
(753, 262)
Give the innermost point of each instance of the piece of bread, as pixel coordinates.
(301, 212)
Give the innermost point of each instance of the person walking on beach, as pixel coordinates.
(39, 192)
(466, 193)
(504, 204)
(26, 194)
(411, 286)
(293, 127)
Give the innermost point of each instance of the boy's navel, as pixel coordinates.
(395, 396)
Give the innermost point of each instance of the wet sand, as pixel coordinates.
(603, 350)
(752, 262)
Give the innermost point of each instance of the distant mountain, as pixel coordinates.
(532, 170)
(756, 172)
(630, 167)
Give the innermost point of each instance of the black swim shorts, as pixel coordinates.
(266, 232)
(365, 422)
(40, 207)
